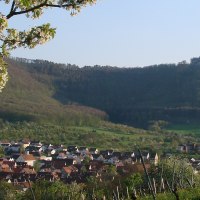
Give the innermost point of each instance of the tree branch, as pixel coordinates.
(59, 6)
(12, 7)
(44, 4)
(12, 13)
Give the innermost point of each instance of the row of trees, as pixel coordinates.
(129, 95)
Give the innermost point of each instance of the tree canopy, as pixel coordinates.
(142, 97)
(11, 38)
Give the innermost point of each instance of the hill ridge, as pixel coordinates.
(132, 96)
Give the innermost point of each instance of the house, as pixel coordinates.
(50, 150)
(106, 153)
(24, 143)
(36, 143)
(112, 160)
(11, 164)
(130, 157)
(117, 154)
(29, 159)
(154, 158)
(32, 148)
(36, 154)
(145, 156)
(83, 150)
(28, 170)
(53, 149)
(14, 157)
(101, 158)
(96, 165)
(72, 148)
(66, 171)
(60, 163)
(5, 144)
(187, 148)
(61, 155)
(93, 150)
(14, 148)
(5, 168)
(182, 148)
(128, 154)
(47, 174)
(72, 156)
(94, 156)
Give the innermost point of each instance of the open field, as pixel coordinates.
(192, 129)
(105, 136)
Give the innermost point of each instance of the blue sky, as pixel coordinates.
(126, 33)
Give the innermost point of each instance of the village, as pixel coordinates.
(27, 161)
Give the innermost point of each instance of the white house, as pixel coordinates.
(28, 158)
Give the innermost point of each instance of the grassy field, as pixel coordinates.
(192, 129)
(104, 136)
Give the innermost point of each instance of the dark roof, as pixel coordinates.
(127, 154)
(15, 145)
(32, 148)
(95, 156)
(77, 153)
(15, 156)
(82, 148)
(92, 149)
(60, 163)
(35, 142)
(35, 153)
(117, 154)
(103, 152)
(72, 148)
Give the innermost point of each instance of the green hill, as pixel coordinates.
(40, 89)
(26, 98)
(71, 105)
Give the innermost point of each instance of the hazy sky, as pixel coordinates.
(121, 33)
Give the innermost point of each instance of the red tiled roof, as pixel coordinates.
(27, 170)
(4, 166)
(17, 169)
(9, 163)
(70, 169)
(28, 157)
(6, 170)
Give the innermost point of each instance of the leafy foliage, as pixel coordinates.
(7, 191)
(12, 38)
(134, 96)
(133, 181)
(54, 191)
(3, 74)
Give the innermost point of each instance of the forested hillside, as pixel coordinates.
(27, 99)
(133, 96)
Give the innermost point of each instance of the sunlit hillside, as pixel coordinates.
(25, 98)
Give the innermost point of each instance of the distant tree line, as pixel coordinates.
(135, 96)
